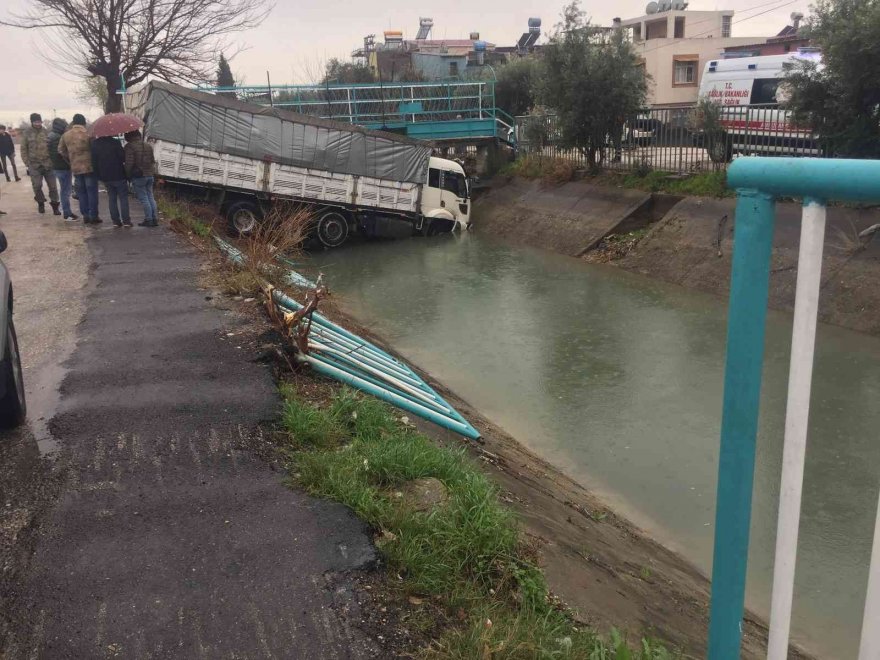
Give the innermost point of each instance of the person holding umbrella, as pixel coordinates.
(108, 162)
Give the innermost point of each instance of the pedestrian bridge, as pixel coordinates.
(434, 111)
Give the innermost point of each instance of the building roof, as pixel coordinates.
(771, 40)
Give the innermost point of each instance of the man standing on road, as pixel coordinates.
(76, 149)
(35, 154)
(108, 159)
(7, 153)
(140, 165)
(60, 167)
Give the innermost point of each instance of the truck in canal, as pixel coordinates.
(244, 158)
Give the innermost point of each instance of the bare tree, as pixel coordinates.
(174, 40)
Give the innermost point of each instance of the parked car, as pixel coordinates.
(13, 407)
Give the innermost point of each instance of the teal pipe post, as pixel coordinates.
(749, 286)
(819, 178)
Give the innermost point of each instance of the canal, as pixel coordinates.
(617, 380)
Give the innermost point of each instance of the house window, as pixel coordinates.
(725, 25)
(453, 69)
(679, 27)
(684, 70)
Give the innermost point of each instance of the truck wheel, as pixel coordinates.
(332, 229)
(12, 406)
(243, 217)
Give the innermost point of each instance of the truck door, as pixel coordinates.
(454, 194)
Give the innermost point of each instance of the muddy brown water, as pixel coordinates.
(617, 380)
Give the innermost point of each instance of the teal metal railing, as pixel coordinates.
(758, 182)
(428, 110)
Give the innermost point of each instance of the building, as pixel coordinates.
(675, 43)
(789, 40)
(399, 59)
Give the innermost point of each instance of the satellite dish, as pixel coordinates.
(652, 8)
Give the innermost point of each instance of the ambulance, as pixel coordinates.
(752, 94)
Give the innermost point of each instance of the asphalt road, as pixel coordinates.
(153, 529)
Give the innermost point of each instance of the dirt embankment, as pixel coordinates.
(690, 241)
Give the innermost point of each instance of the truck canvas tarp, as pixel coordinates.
(207, 121)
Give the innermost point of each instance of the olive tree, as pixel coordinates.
(593, 81)
(515, 86)
(840, 98)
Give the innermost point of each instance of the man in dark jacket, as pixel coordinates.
(140, 165)
(7, 151)
(108, 162)
(60, 166)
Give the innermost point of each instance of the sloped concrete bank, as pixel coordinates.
(690, 241)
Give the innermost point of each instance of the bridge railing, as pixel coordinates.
(758, 182)
(387, 105)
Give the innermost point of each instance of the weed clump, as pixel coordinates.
(465, 552)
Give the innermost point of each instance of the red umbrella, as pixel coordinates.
(116, 123)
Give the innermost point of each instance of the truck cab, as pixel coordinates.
(445, 201)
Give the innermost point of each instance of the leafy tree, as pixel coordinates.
(93, 91)
(337, 71)
(840, 99)
(592, 80)
(515, 88)
(174, 40)
(225, 77)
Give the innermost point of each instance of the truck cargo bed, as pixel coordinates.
(195, 165)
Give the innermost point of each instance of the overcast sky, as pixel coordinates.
(298, 36)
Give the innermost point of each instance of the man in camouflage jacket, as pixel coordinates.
(35, 154)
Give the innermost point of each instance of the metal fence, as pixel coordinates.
(427, 110)
(759, 182)
(672, 140)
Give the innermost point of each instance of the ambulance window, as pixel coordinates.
(764, 91)
(434, 177)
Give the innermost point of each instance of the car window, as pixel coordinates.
(764, 90)
(455, 183)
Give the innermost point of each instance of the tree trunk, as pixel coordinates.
(114, 100)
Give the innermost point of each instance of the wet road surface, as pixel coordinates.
(161, 533)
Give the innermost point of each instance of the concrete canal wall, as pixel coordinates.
(569, 218)
(689, 241)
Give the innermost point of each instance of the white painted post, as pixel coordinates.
(797, 413)
(869, 647)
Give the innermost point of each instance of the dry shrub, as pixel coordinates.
(280, 234)
(558, 170)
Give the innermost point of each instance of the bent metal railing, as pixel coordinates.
(758, 182)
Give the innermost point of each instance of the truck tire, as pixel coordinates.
(243, 217)
(332, 229)
(13, 407)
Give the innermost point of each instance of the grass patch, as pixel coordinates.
(705, 184)
(181, 215)
(550, 170)
(465, 552)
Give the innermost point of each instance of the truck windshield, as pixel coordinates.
(455, 183)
